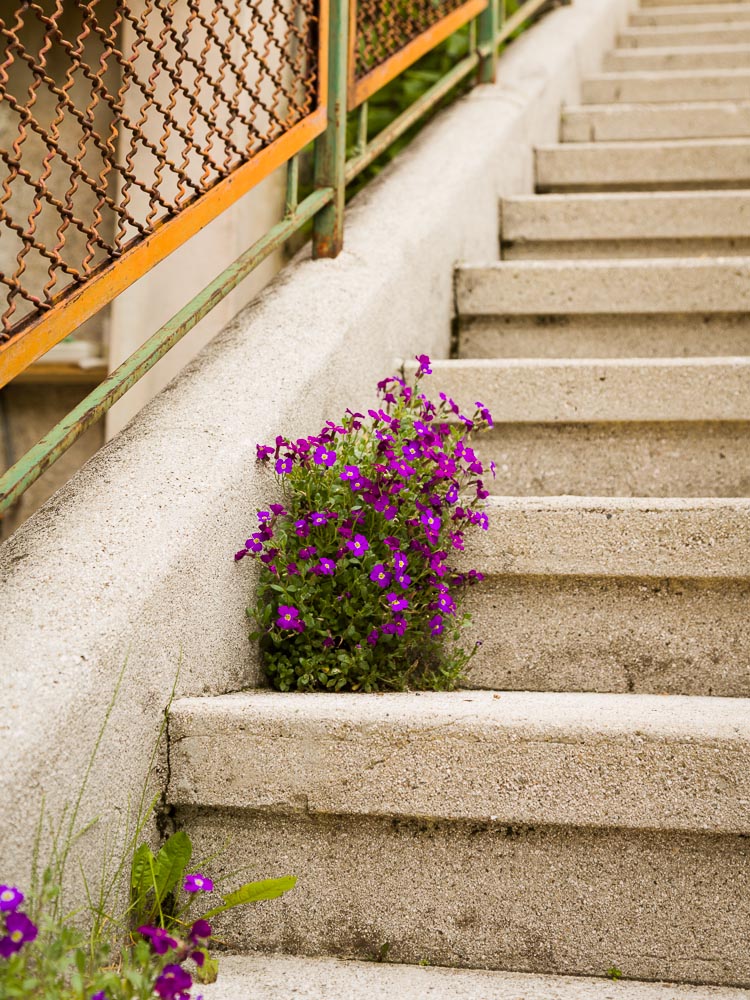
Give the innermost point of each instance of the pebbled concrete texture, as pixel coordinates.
(632, 88)
(653, 287)
(619, 634)
(273, 977)
(618, 122)
(571, 900)
(685, 14)
(132, 561)
(604, 336)
(697, 163)
(694, 35)
(630, 60)
(549, 759)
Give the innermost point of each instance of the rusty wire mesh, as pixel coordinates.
(114, 116)
(385, 27)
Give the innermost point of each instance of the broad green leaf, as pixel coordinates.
(140, 873)
(254, 892)
(170, 863)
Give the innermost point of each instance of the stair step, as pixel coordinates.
(676, 164)
(708, 14)
(668, 224)
(677, 85)
(274, 977)
(690, 35)
(621, 427)
(655, 287)
(525, 831)
(664, 59)
(718, 5)
(618, 122)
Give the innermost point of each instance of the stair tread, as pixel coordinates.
(276, 977)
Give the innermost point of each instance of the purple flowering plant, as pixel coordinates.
(357, 588)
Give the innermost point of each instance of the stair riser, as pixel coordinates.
(625, 460)
(736, 57)
(544, 899)
(645, 89)
(647, 636)
(621, 288)
(695, 38)
(625, 249)
(642, 166)
(617, 123)
(604, 336)
(724, 15)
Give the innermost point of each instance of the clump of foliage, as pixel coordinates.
(356, 590)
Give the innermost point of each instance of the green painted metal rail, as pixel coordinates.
(324, 206)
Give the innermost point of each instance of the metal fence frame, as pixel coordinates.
(339, 91)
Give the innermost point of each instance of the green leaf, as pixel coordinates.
(140, 874)
(170, 864)
(254, 892)
(209, 971)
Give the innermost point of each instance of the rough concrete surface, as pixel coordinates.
(697, 120)
(694, 35)
(680, 163)
(608, 287)
(573, 901)
(616, 335)
(272, 977)
(685, 14)
(132, 560)
(630, 60)
(573, 633)
(632, 88)
(585, 760)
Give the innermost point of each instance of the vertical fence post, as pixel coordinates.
(489, 26)
(330, 147)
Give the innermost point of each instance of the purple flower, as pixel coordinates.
(200, 931)
(436, 625)
(292, 569)
(397, 603)
(10, 898)
(264, 515)
(263, 452)
(18, 930)
(424, 365)
(388, 510)
(284, 465)
(301, 529)
(457, 540)
(392, 543)
(411, 450)
(350, 472)
(431, 521)
(161, 942)
(402, 469)
(99, 995)
(452, 495)
(445, 603)
(254, 544)
(318, 518)
(173, 983)
(372, 637)
(380, 575)
(484, 413)
(277, 509)
(198, 883)
(482, 493)
(289, 619)
(324, 456)
(307, 553)
(404, 580)
(327, 567)
(240, 555)
(358, 545)
(400, 562)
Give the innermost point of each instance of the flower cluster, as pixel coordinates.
(356, 586)
(174, 982)
(16, 928)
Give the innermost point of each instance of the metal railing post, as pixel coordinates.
(330, 147)
(488, 24)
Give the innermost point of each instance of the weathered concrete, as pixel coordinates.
(267, 977)
(582, 760)
(639, 224)
(686, 163)
(133, 559)
(679, 538)
(617, 122)
(719, 4)
(632, 88)
(694, 35)
(630, 60)
(605, 335)
(725, 14)
(606, 287)
(626, 634)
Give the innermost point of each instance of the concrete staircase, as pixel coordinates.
(587, 804)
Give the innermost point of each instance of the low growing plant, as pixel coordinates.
(356, 590)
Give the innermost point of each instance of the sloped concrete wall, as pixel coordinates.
(132, 560)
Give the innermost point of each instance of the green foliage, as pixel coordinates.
(613, 973)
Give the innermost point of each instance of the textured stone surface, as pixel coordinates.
(696, 163)
(628, 286)
(684, 14)
(577, 901)
(630, 88)
(604, 336)
(615, 122)
(575, 633)
(272, 977)
(694, 35)
(630, 60)
(584, 760)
